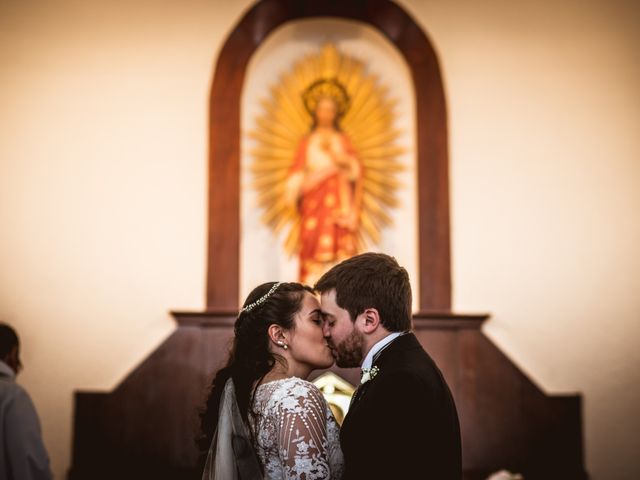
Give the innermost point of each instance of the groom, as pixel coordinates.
(402, 422)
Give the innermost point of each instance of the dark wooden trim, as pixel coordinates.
(421, 320)
(224, 140)
(436, 321)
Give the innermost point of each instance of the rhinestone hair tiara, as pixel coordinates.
(261, 300)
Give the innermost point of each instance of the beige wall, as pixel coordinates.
(103, 191)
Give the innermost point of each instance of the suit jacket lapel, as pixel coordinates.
(358, 394)
(407, 341)
(363, 386)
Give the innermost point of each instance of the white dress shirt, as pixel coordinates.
(368, 360)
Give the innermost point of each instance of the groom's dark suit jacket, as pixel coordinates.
(402, 424)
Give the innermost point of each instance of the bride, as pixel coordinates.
(262, 418)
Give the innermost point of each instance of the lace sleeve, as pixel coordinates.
(302, 440)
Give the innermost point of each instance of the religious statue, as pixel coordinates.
(326, 182)
(325, 161)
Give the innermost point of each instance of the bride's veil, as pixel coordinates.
(231, 455)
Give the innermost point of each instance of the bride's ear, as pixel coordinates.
(277, 336)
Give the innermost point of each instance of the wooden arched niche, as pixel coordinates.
(431, 141)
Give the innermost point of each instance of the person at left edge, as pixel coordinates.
(22, 452)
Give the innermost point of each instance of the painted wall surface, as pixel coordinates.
(103, 160)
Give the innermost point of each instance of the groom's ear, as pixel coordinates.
(371, 319)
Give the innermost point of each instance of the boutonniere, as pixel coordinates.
(368, 374)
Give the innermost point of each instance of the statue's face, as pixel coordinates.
(326, 112)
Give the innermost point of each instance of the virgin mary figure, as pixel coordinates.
(325, 183)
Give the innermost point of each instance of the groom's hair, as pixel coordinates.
(371, 280)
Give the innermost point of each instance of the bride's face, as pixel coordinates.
(308, 348)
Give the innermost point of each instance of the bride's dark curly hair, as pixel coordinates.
(250, 359)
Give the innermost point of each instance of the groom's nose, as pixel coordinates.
(326, 331)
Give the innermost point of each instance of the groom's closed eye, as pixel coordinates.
(329, 319)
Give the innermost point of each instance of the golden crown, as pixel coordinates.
(326, 88)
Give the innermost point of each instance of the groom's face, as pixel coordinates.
(344, 339)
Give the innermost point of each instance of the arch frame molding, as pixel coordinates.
(432, 157)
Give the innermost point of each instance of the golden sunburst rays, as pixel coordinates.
(368, 121)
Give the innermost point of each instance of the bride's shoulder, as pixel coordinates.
(298, 385)
(297, 389)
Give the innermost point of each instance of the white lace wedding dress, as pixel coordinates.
(296, 434)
